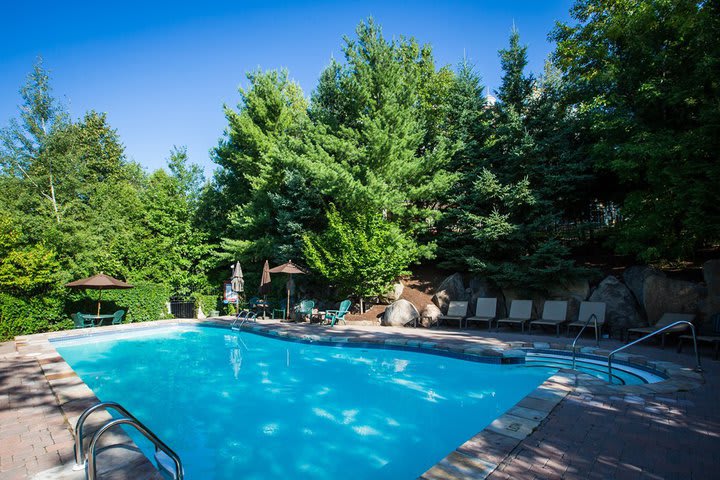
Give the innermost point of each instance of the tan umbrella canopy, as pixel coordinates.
(237, 281)
(99, 282)
(265, 280)
(288, 268)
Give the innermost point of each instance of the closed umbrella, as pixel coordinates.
(237, 283)
(265, 284)
(288, 268)
(99, 282)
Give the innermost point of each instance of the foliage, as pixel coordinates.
(208, 303)
(25, 315)
(643, 74)
(143, 303)
(361, 255)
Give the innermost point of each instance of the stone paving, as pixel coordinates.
(572, 427)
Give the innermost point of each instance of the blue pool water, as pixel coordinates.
(240, 405)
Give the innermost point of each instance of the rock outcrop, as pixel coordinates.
(667, 295)
(429, 315)
(634, 277)
(399, 314)
(452, 288)
(621, 311)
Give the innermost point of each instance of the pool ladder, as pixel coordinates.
(698, 367)
(168, 462)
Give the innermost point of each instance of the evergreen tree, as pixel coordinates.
(643, 75)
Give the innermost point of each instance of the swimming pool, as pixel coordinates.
(240, 405)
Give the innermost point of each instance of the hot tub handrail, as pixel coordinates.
(80, 458)
(698, 368)
(147, 433)
(597, 338)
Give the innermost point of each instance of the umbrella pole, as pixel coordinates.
(99, 298)
(288, 304)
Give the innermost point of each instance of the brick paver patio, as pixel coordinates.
(588, 434)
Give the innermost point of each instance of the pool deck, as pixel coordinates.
(572, 427)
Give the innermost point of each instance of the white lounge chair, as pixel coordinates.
(485, 311)
(587, 309)
(520, 314)
(456, 311)
(554, 314)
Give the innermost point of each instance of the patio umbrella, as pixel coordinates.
(237, 282)
(99, 282)
(288, 268)
(265, 284)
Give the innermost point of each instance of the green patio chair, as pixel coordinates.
(334, 315)
(278, 313)
(81, 321)
(118, 317)
(304, 309)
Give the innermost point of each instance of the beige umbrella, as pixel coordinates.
(265, 286)
(288, 268)
(99, 282)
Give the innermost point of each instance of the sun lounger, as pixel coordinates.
(706, 335)
(457, 311)
(587, 309)
(485, 311)
(520, 314)
(665, 320)
(554, 314)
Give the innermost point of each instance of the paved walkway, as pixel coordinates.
(33, 433)
(587, 435)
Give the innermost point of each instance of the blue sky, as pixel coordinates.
(163, 70)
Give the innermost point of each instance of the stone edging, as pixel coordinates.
(476, 458)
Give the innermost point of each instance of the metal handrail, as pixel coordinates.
(79, 457)
(597, 335)
(668, 327)
(159, 444)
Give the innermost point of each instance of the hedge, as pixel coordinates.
(144, 303)
(25, 316)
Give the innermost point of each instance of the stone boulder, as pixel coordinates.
(480, 287)
(621, 309)
(429, 315)
(711, 275)
(399, 314)
(635, 276)
(392, 294)
(667, 295)
(452, 288)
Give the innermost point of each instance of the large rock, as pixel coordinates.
(429, 315)
(399, 314)
(711, 274)
(480, 287)
(452, 288)
(621, 309)
(392, 294)
(635, 276)
(667, 295)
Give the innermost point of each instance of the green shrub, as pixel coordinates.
(25, 316)
(144, 303)
(208, 303)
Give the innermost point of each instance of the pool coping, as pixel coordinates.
(478, 457)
